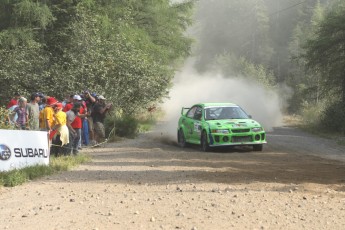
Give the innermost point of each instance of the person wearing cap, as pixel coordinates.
(77, 124)
(98, 115)
(61, 138)
(74, 133)
(33, 111)
(14, 100)
(22, 116)
(47, 116)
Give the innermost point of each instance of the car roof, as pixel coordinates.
(216, 104)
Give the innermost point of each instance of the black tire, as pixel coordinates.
(204, 142)
(181, 140)
(257, 147)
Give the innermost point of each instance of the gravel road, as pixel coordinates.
(297, 182)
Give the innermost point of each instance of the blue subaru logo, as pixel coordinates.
(5, 152)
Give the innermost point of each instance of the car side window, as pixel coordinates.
(198, 113)
(191, 112)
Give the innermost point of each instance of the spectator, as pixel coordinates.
(61, 139)
(47, 116)
(33, 111)
(69, 104)
(74, 134)
(20, 111)
(43, 101)
(90, 100)
(77, 124)
(98, 115)
(14, 100)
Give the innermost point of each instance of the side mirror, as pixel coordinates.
(250, 116)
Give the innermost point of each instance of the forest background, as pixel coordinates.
(129, 50)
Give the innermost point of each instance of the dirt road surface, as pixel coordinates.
(297, 182)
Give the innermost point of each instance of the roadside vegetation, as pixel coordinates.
(279, 43)
(57, 164)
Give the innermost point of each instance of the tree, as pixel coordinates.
(236, 27)
(127, 50)
(326, 52)
(306, 85)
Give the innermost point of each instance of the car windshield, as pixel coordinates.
(225, 112)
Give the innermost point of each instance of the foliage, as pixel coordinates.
(19, 176)
(232, 66)
(126, 50)
(332, 118)
(125, 126)
(4, 119)
(236, 27)
(324, 53)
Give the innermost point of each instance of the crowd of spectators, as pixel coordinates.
(72, 123)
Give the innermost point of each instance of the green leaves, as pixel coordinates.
(125, 50)
(325, 52)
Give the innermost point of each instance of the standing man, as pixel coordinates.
(74, 133)
(98, 115)
(20, 111)
(77, 124)
(14, 100)
(90, 100)
(61, 140)
(33, 111)
(47, 121)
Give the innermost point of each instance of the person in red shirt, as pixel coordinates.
(14, 100)
(77, 124)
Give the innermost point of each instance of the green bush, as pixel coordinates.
(126, 126)
(333, 118)
(4, 116)
(311, 114)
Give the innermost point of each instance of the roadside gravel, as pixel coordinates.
(297, 182)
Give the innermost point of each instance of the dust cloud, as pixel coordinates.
(191, 88)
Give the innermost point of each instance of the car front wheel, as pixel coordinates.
(204, 142)
(181, 139)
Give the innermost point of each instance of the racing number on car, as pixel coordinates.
(197, 127)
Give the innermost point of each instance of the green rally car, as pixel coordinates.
(219, 124)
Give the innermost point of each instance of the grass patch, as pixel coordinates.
(341, 142)
(57, 164)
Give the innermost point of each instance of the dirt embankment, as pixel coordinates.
(297, 182)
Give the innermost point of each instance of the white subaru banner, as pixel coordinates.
(22, 148)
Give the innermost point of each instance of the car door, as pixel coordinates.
(193, 124)
(189, 123)
(197, 124)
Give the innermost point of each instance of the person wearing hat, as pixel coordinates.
(61, 139)
(74, 133)
(77, 124)
(33, 111)
(98, 115)
(47, 116)
(14, 100)
(22, 116)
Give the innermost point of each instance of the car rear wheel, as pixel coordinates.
(257, 147)
(204, 142)
(181, 139)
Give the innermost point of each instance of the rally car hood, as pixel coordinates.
(233, 123)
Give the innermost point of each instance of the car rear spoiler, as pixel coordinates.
(184, 110)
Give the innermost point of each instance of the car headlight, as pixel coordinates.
(223, 131)
(257, 129)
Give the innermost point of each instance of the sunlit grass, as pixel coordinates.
(19, 176)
